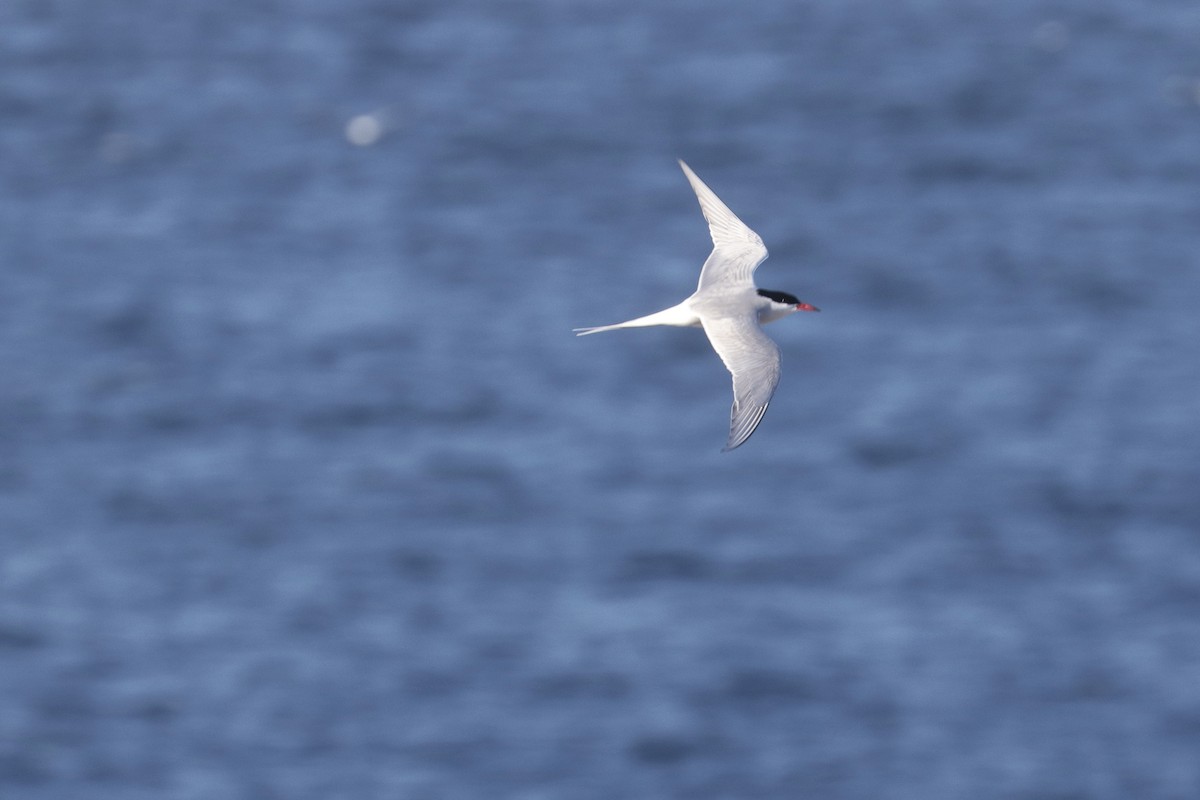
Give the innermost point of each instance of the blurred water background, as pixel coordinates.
(307, 491)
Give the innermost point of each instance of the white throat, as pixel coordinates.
(770, 311)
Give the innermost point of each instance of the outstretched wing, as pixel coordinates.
(737, 250)
(753, 359)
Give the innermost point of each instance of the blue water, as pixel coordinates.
(307, 491)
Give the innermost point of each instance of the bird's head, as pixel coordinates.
(782, 304)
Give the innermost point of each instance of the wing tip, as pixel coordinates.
(729, 448)
(740, 433)
(691, 175)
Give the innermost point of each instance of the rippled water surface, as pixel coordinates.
(307, 491)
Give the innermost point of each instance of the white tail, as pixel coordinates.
(679, 316)
(598, 328)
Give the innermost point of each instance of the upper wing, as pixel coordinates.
(753, 359)
(737, 250)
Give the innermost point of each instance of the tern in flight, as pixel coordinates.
(730, 308)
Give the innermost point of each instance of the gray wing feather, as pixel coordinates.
(737, 250)
(753, 360)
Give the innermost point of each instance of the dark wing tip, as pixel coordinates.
(741, 430)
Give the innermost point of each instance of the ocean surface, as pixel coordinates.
(308, 492)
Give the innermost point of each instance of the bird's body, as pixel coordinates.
(731, 310)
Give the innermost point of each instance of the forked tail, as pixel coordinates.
(676, 316)
(597, 329)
